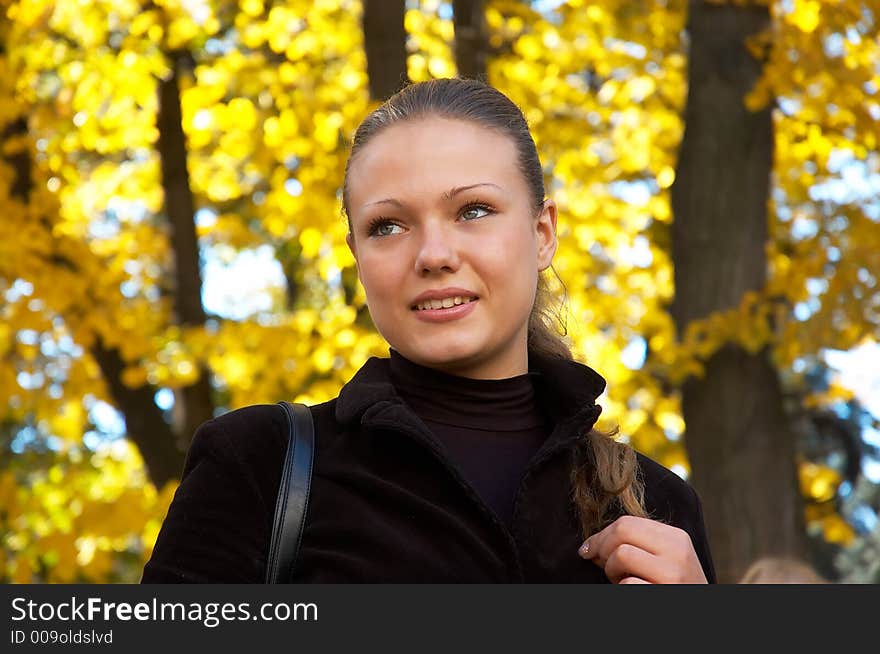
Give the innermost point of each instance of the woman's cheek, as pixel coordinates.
(384, 295)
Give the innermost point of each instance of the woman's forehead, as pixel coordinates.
(432, 155)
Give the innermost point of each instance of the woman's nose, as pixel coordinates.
(436, 250)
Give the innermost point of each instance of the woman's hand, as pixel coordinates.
(642, 551)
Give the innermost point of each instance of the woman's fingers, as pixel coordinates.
(644, 548)
(649, 535)
(628, 561)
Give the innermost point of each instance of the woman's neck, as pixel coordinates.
(511, 365)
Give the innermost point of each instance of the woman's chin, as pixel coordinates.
(439, 356)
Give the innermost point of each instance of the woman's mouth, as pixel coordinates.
(446, 309)
(445, 303)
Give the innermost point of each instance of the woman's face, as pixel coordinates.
(438, 204)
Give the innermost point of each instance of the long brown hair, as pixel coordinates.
(604, 477)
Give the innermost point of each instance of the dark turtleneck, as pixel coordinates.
(490, 428)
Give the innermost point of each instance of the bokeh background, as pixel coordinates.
(172, 244)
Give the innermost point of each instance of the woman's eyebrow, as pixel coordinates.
(455, 190)
(448, 195)
(394, 201)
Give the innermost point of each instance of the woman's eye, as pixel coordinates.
(382, 228)
(474, 211)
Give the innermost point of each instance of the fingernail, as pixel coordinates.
(584, 549)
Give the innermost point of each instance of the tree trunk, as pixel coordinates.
(385, 46)
(19, 161)
(471, 40)
(144, 423)
(740, 445)
(193, 404)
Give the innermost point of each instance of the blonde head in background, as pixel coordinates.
(778, 570)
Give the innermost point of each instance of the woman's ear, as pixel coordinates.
(545, 229)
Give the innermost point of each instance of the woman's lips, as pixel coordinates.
(444, 315)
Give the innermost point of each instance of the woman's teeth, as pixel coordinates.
(444, 303)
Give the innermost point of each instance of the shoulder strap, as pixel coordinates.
(293, 494)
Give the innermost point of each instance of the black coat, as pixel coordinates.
(386, 503)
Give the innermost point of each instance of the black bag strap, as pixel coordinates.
(293, 494)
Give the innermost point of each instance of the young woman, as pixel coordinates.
(469, 454)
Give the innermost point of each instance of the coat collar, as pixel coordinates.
(566, 389)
